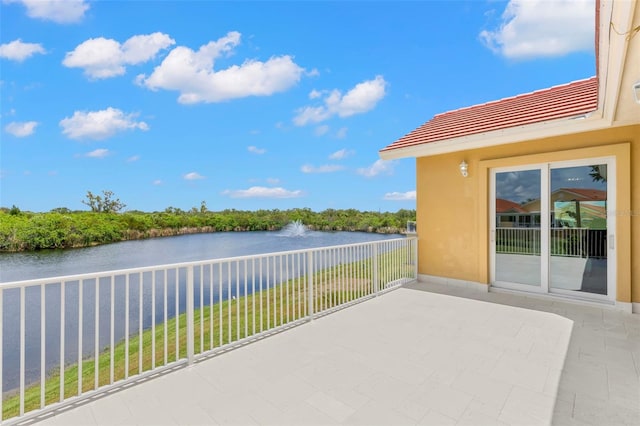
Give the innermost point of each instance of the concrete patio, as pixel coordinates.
(441, 356)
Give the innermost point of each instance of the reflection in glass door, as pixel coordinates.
(578, 229)
(517, 227)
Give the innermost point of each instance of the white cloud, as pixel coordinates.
(327, 168)
(321, 130)
(97, 153)
(19, 51)
(103, 58)
(400, 196)
(192, 73)
(273, 181)
(99, 124)
(263, 192)
(157, 182)
(362, 98)
(21, 129)
(256, 150)
(379, 167)
(60, 11)
(133, 159)
(315, 94)
(542, 28)
(342, 154)
(341, 133)
(193, 176)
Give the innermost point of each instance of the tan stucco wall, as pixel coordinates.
(453, 212)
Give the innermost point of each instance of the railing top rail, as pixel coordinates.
(143, 269)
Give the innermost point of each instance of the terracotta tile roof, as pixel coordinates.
(586, 194)
(508, 206)
(564, 101)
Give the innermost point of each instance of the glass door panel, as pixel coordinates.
(517, 227)
(578, 229)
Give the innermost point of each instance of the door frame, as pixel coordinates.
(545, 228)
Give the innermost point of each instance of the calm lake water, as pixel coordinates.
(159, 251)
(129, 254)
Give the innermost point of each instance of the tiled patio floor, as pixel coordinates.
(406, 358)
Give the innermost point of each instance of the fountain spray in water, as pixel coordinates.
(295, 229)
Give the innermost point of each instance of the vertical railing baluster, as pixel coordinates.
(309, 274)
(253, 294)
(299, 278)
(344, 282)
(112, 336)
(229, 303)
(127, 330)
(304, 276)
(246, 301)
(62, 327)
(190, 325)
(334, 280)
(336, 264)
(374, 266)
(286, 268)
(281, 284)
(274, 291)
(96, 335)
(80, 332)
(348, 297)
(177, 313)
(43, 350)
(352, 266)
(261, 296)
(211, 306)
(220, 330)
(23, 331)
(394, 262)
(320, 263)
(344, 287)
(153, 319)
(201, 268)
(237, 280)
(166, 318)
(268, 294)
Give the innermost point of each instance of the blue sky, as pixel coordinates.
(256, 105)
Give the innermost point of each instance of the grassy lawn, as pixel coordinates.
(214, 326)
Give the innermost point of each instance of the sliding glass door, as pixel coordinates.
(517, 227)
(550, 231)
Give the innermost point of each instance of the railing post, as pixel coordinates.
(310, 300)
(374, 264)
(190, 319)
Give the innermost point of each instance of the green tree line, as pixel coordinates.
(62, 228)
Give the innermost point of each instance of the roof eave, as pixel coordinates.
(560, 127)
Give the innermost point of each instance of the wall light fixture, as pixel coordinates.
(464, 169)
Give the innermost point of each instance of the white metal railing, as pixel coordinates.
(518, 240)
(569, 242)
(67, 338)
